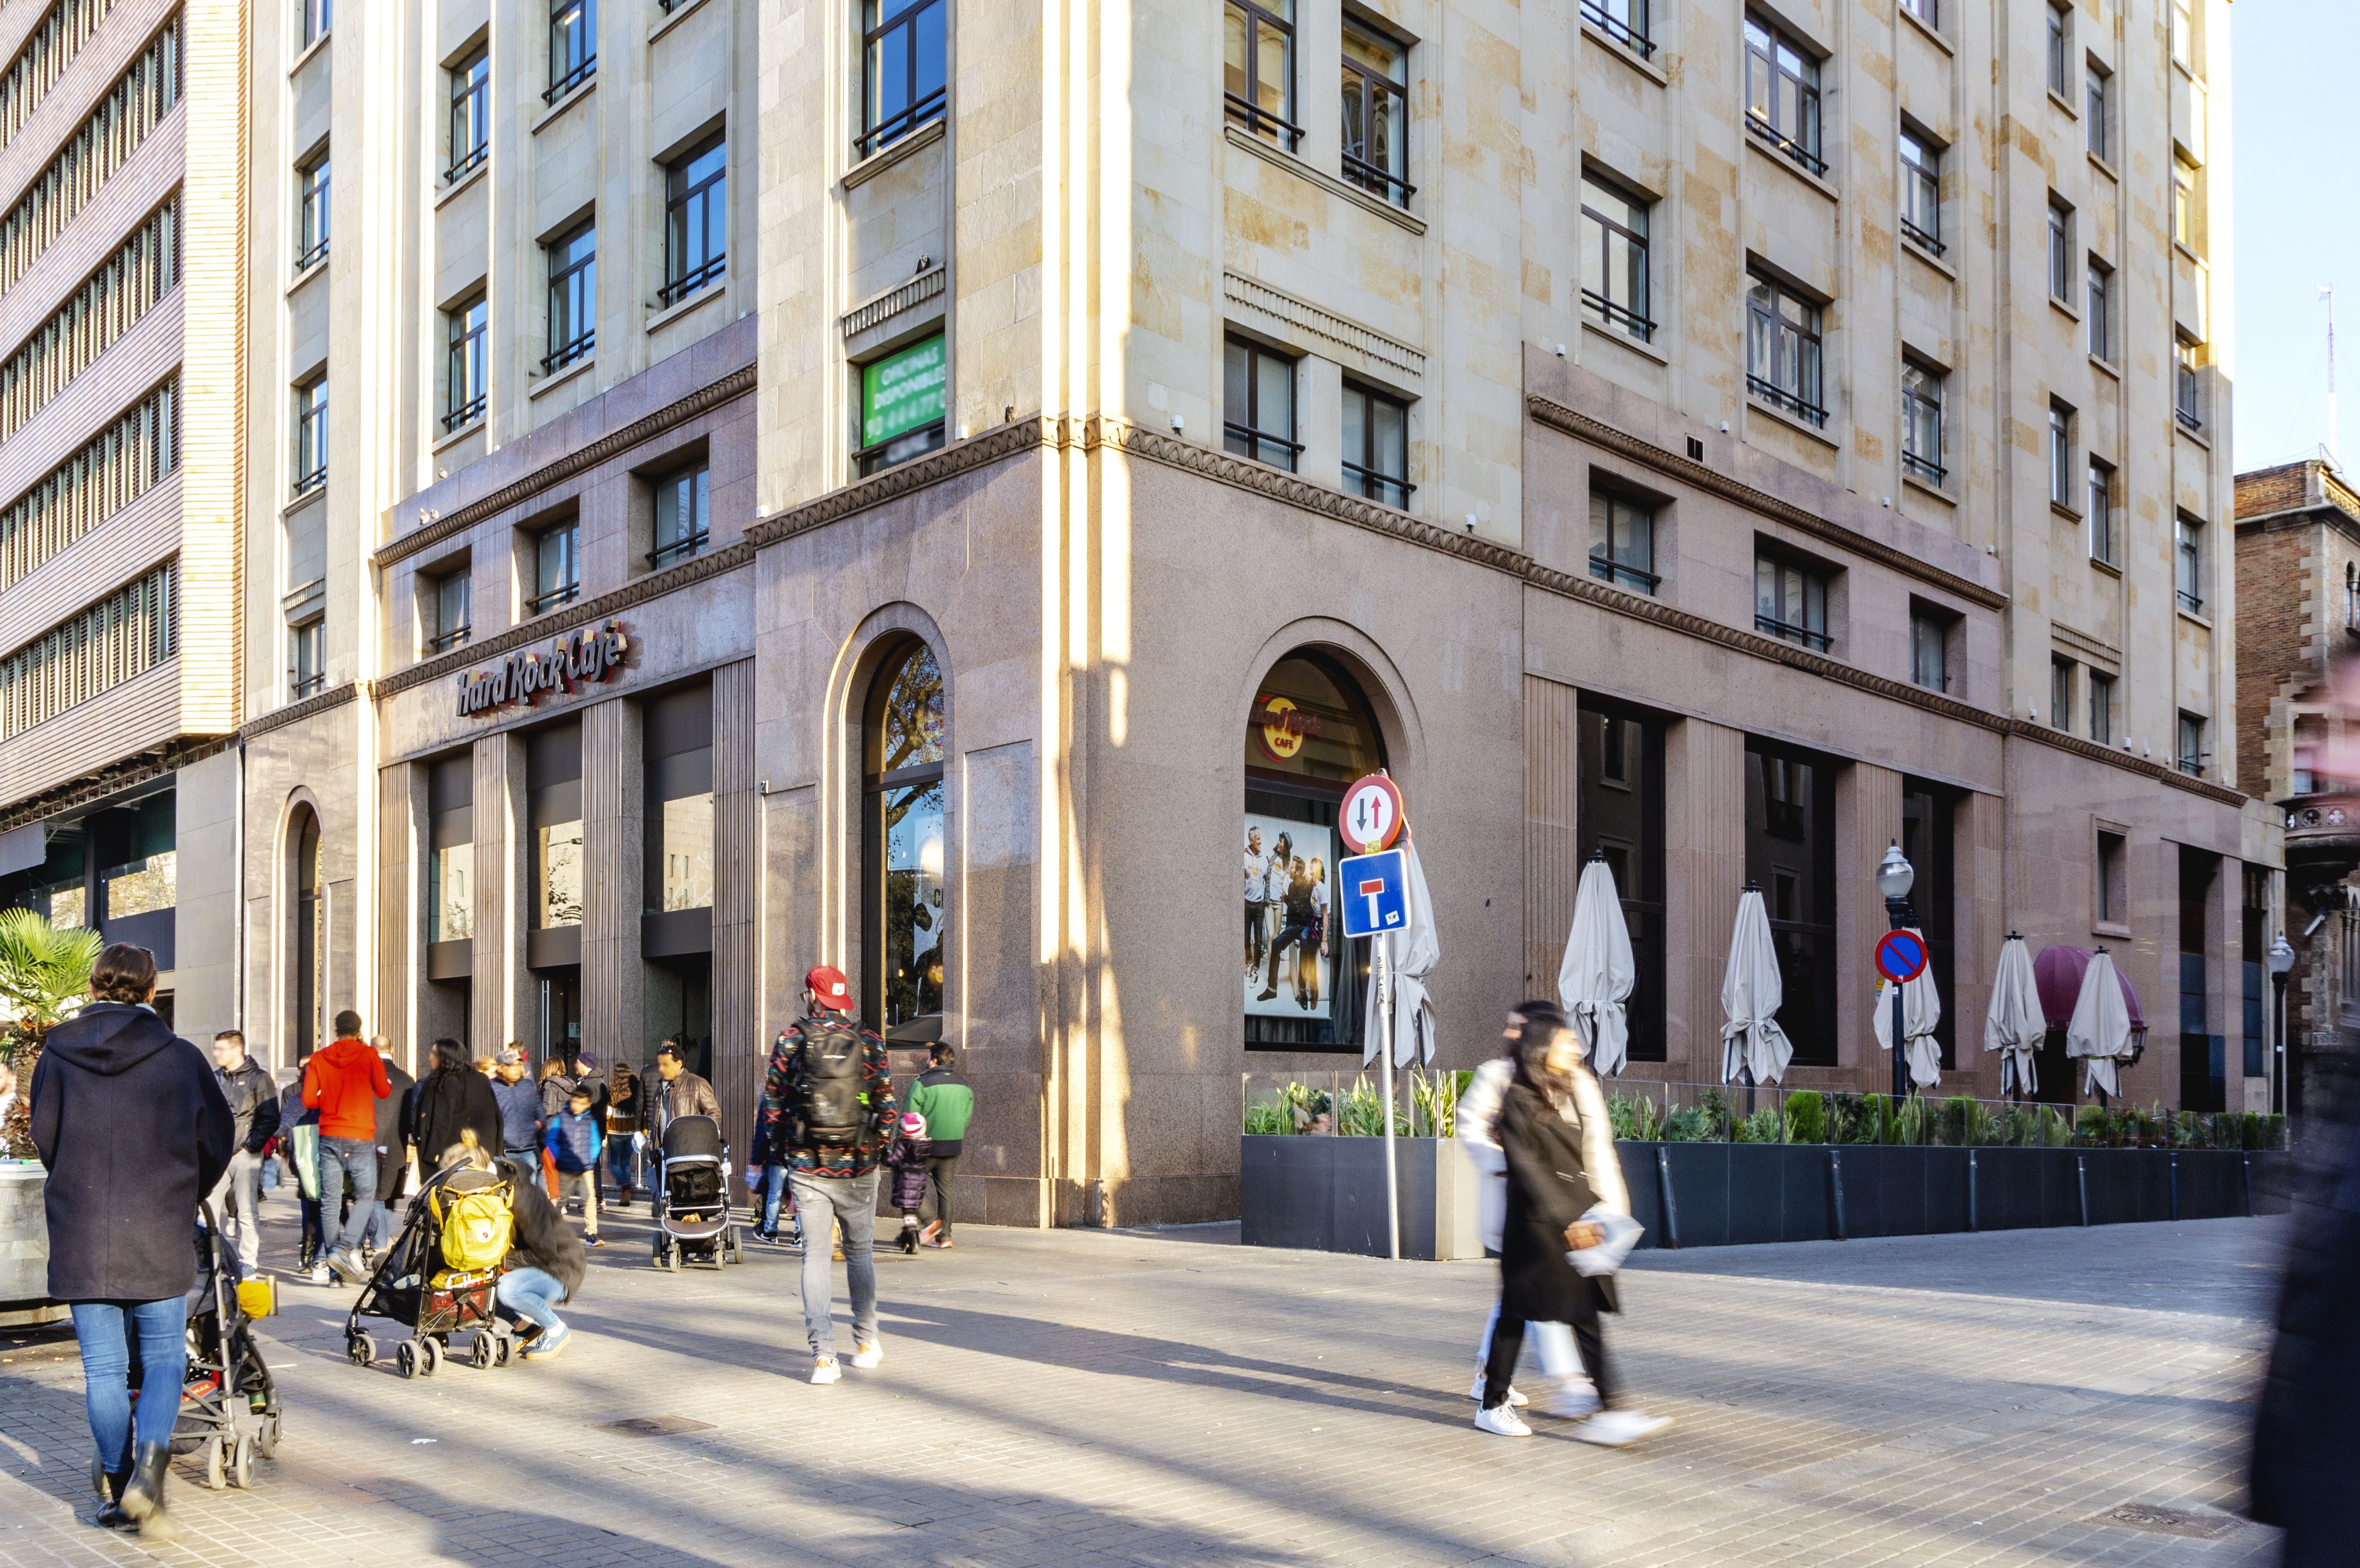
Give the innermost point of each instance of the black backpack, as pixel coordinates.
(829, 1086)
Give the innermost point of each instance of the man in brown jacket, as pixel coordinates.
(677, 1093)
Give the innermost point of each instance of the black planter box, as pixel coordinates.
(1328, 1195)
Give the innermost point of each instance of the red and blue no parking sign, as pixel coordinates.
(1901, 956)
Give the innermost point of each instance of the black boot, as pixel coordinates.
(109, 1488)
(143, 1499)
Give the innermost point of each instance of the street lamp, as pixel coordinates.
(2281, 957)
(1895, 877)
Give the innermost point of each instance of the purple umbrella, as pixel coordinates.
(2057, 971)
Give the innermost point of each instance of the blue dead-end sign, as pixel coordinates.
(1376, 893)
(1901, 956)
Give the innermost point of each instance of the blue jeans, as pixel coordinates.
(774, 1188)
(356, 1158)
(851, 1201)
(623, 1163)
(104, 1328)
(534, 1294)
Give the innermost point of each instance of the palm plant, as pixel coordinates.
(44, 974)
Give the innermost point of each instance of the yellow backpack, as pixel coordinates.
(477, 1225)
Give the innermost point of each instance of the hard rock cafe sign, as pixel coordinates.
(584, 657)
(1285, 727)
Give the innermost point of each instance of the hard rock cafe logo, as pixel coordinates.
(1285, 728)
(584, 656)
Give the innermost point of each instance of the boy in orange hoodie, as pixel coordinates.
(344, 1082)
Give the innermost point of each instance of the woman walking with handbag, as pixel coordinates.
(1563, 1178)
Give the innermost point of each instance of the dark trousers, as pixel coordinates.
(1508, 1342)
(1297, 937)
(1256, 935)
(311, 1237)
(941, 1171)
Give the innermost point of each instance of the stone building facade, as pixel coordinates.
(1724, 440)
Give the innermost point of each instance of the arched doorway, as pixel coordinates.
(1309, 732)
(905, 913)
(307, 999)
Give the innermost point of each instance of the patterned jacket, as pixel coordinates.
(774, 1125)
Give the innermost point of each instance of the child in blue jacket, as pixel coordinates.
(573, 1143)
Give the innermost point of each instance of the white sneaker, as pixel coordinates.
(1620, 1429)
(1475, 1392)
(1501, 1421)
(824, 1369)
(1570, 1397)
(868, 1355)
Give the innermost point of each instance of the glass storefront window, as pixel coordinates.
(68, 908)
(559, 849)
(451, 892)
(140, 887)
(914, 917)
(907, 904)
(688, 852)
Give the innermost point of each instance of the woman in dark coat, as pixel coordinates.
(451, 1097)
(2306, 1432)
(131, 1122)
(1559, 1144)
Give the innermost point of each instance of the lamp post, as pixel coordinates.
(1895, 877)
(2281, 958)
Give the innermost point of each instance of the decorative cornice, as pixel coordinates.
(1559, 417)
(894, 301)
(2162, 773)
(296, 712)
(557, 623)
(947, 463)
(1383, 353)
(112, 780)
(735, 384)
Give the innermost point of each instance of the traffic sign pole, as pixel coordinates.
(1385, 1069)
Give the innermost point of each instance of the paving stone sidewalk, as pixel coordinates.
(1170, 1397)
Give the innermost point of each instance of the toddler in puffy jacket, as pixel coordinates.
(907, 1160)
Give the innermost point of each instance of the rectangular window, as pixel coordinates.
(2114, 880)
(1921, 421)
(1619, 810)
(1615, 258)
(450, 849)
(311, 213)
(2101, 310)
(1925, 11)
(2183, 203)
(2060, 693)
(2098, 102)
(471, 114)
(307, 658)
(2187, 556)
(1258, 405)
(2060, 250)
(2183, 34)
(452, 601)
(2101, 708)
(696, 221)
(115, 127)
(311, 435)
(556, 568)
(1376, 113)
(683, 514)
(2102, 512)
(1790, 855)
(146, 881)
(1376, 445)
(1782, 350)
(110, 301)
(572, 46)
(1921, 191)
(677, 727)
(2061, 48)
(1790, 601)
(554, 812)
(466, 369)
(1929, 640)
(1622, 541)
(1782, 94)
(903, 78)
(903, 405)
(2184, 383)
(2060, 454)
(318, 16)
(1624, 21)
(2189, 755)
(121, 463)
(573, 297)
(1258, 68)
(121, 636)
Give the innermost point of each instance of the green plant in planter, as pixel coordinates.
(1714, 1105)
(44, 977)
(1807, 1117)
(2089, 1125)
(1690, 1124)
(1763, 1126)
(1634, 1117)
(1871, 1120)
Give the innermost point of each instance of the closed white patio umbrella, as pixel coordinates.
(2101, 1030)
(1595, 979)
(1416, 953)
(1921, 1010)
(1751, 993)
(2013, 1024)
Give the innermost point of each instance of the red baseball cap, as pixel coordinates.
(828, 984)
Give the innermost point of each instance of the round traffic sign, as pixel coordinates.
(1901, 956)
(1372, 817)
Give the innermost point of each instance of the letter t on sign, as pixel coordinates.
(1372, 890)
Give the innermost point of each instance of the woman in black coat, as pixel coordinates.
(451, 1097)
(131, 1124)
(2307, 1431)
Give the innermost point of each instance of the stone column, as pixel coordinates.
(1977, 828)
(1704, 870)
(401, 803)
(740, 1042)
(1868, 820)
(1552, 841)
(614, 978)
(499, 999)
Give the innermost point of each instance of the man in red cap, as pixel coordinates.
(827, 1108)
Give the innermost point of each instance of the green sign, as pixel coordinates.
(902, 391)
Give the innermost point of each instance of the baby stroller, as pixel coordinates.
(227, 1372)
(415, 1286)
(693, 1223)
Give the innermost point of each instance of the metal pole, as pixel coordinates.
(2277, 1079)
(1900, 1056)
(1385, 1057)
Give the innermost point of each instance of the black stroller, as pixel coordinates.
(693, 1223)
(414, 1288)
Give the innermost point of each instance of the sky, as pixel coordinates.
(2295, 109)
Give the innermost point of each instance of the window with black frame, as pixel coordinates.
(1623, 540)
(1790, 856)
(466, 369)
(572, 298)
(903, 75)
(696, 221)
(1927, 842)
(2186, 382)
(1258, 68)
(2098, 100)
(471, 114)
(1921, 191)
(1376, 445)
(1624, 21)
(1922, 389)
(905, 907)
(1376, 113)
(2102, 511)
(317, 17)
(1790, 601)
(556, 567)
(311, 435)
(2061, 47)
(2101, 310)
(572, 46)
(2188, 562)
(1929, 646)
(311, 187)
(1782, 350)
(307, 658)
(1619, 811)
(2060, 454)
(1782, 94)
(1258, 404)
(2060, 250)
(684, 523)
(676, 745)
(1615, 258)
(450, 602)
(553, 816)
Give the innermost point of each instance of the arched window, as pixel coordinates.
(1308, 734)
(308, 935)
(905, 917)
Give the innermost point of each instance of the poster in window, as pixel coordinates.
(1290, 872)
